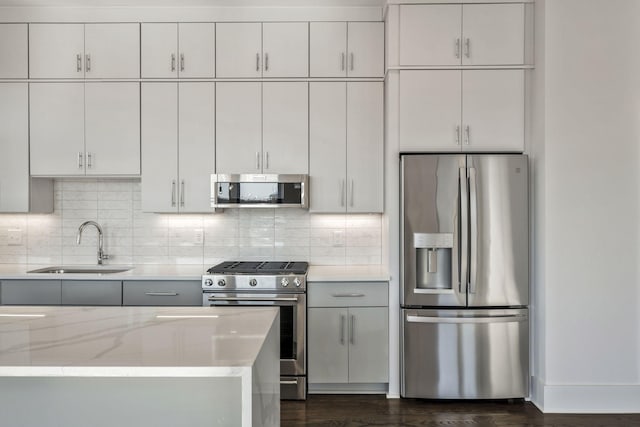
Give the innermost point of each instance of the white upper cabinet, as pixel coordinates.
(470, 34)
(246, 50)
(493, 110)
(340, 49)
(462, 110)
(104, 51)
(177, 146)
(285, 130)
(238, 127)
(285, 49)
(85, 129)
(14, 147)
(346, 146)
(185, 50)
(262, 127)
(14, 51)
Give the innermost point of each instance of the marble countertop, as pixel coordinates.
(317, 273)
(348, 273)
(131, 341)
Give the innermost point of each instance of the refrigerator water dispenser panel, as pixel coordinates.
(433, 260)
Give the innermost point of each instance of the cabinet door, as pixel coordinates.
(238, 127)
(285, 48)
(328, 345)
(14, 51)
(365, 117)
(365, 41)
(14, 147)
(285, 124)
(30, 292)
(57, 128)
(430, 34)
(91, 292)
(159, 183)
(239, 49)
(112, 51)
(328, 49)
(56, 51)
(430, 109)
(493, 110)
(196, 142)
(162, 292)
(493, 34)
(197, 50)
(368, 345)
(112, 128)
(327, 146)
(159, 50)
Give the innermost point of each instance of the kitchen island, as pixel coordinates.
(139, 366)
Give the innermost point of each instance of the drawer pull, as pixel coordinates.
(162, 294)
(347, 295)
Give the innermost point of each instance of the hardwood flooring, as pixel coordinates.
(377, 410)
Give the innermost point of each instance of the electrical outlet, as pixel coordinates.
(14, 237)
(198, 236)
(338, 238)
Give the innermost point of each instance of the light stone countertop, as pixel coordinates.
(136, 272)
(348, 273)
(131, 341)
(317, 273)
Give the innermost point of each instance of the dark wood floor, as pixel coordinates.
(361, 411)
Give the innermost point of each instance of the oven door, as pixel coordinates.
(293, 309)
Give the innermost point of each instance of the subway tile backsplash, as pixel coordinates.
(135, 237)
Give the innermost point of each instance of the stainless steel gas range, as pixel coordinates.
(281, 284)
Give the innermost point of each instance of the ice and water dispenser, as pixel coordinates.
(433, 260)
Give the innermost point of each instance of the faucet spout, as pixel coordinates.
(101, 255)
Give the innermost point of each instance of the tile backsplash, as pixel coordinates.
(135, 237)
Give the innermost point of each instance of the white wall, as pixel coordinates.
(587, 194)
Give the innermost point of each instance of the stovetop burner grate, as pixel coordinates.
(260, 267)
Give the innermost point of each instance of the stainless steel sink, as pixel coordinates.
(80, 270)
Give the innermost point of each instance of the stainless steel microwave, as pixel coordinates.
(259, 191)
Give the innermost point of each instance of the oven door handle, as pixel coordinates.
(213, 299)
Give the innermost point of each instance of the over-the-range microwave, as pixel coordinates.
(259, 191)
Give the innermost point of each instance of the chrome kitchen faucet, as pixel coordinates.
(101, 255)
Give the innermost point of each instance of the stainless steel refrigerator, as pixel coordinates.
(464, 276)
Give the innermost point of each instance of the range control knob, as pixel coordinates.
(208, 282)
(284, 282)
(297, 282)
(253, 282)
(222, 282)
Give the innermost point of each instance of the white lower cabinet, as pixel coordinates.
(19, 193)
(82, 129)
(178, 146)
(348, 334)
(346, 147)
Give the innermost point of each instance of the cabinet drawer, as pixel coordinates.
(347, 294)
(155, 292)
(92, 292)
(30, 292)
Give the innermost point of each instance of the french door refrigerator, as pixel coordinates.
(464, 276)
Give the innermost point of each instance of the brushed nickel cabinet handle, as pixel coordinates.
(342, 324)
(458, 48)
(467, 135)
(78, 63)
(352, 330)
(173, 192)
(162, 294)
(182, 62)
(266, 62)
(257, 62)
(342, 58)
(173, 62)
(467, 47)
(89, 161)
(88, 62)
(80, 159)
(458, 135)
(351, 68)
(182, 193)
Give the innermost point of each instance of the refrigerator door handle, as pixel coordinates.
(473, 212)
(488, 319)
(464, 230)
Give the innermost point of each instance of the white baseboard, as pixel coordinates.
(591, 398)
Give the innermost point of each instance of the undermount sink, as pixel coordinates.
(81, 270)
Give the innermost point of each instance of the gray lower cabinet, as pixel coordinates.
(30, 292)
(348, 333)
(91, 292)
(162, 292)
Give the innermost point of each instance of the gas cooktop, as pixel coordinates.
(260, 267)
